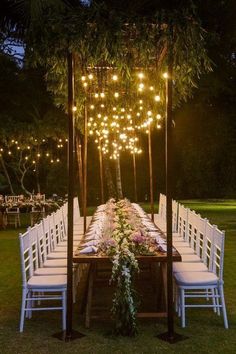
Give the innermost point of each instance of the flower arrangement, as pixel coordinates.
(128, 240)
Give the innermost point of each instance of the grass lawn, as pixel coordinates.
(204, 329)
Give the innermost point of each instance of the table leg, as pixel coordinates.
(89, 296)
(164, 279)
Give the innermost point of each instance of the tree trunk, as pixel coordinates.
(6, 174)
(22, 183)
(108, 177)
(37, 177)
(118, 179)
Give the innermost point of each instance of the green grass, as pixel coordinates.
(205, 330)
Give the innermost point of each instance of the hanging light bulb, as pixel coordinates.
(74, 109)
(114, 77)
(157, 98)
(90, 76)
(140, 75)
(158, 116)
(116, 94)
(83, 78)
(165, 75)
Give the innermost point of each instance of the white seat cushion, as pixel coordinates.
(51, 271)
(57, 255)
(58, 281)
(52, 263)
(190, 258)
(185, 250)
(63, 248)
(189, 267)
(196, 278)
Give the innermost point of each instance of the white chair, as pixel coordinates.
(160, 218)
(36, 214)
(202, 234)
(13, 216)
(204, 284)
(38, 288)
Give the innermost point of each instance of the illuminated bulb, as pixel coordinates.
(140, 75)
(74, 109)
(158, 116)
(18, 148)
(102, 94)
(116, 94)
(38, 155)
(140, 101)
(141, 86)
(91, 119)
(1, 149)
(158, 126)
(66, 140)
(51, 161)
(58, 160)
(157, 98)
(90, 132)
(165, 75)
(33, 162)
(147, 131)
(138, 114)
(92, 106)
(141, 108)
(102, 106)
(89, 124)
(151, 88)
(13, 141)
(149, 113)
(47, 154)
(90, 76)
(114, 108)
(96, 141)
(83, 78)
(96, 95)
(105, 118)
(85, 84)
(26, 157)
(114, 77)
(99, 115)
(9, 152)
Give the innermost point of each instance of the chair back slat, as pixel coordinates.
(183, 221)
(218, 252)
(175, 209)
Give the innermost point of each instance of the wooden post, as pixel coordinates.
(85, 165)
(135, 178)
(150, 171)
(80, 167)
(70, 61)
(101, 171)
(168, 152)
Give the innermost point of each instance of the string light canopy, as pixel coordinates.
(34, 150)
(119, 112)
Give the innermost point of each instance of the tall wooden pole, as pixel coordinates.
(168, 135)
(101, 171)
(85, 165)
(150, 171)
(70, 61)
(135, 178)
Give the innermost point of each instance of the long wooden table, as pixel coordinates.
(95, 259)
